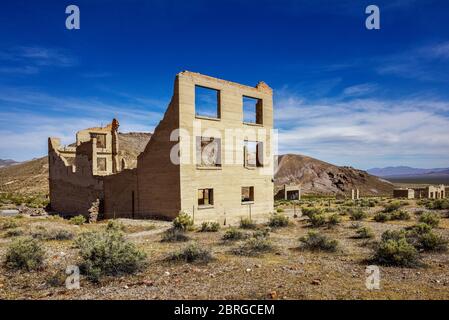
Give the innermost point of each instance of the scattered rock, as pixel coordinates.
(272, 295)
(316, 282)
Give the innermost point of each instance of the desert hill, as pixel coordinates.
(319, 177)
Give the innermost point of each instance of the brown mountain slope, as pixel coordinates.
(319, 177)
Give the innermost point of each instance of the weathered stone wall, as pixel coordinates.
(73, 188)
(158, 183)
(120, 195)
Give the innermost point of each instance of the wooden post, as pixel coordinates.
(193, 213)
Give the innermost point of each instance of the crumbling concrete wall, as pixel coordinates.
(120, 195)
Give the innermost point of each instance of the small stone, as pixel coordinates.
(258, 266)
(248, 270)
(167, 273)
(273, 295)
(316, 282)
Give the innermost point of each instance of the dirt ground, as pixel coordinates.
(286, 273)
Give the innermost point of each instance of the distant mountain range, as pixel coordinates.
(7, 162)
(406, 171)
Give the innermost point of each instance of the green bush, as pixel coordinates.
(333, 220)
(429, 241)
(192, 253)
(310, 211)
(393, 206)
(400, 215)
(419, 228)
(114, 225)
(108, 253)
(430, 218)
(78, 220)
(279, 210)
(25, 253)
(183, 221)
(382, 217)
(174, 235)
(278, 220)
(210, 226)
(233, 233)
(438, 204)
(364, 233)
(396, 252)
(317, 220)
(357, 214)
(16, 232)
(8, 224)
(246, 223)
(42, 233)
(254, 246)
(314, 241)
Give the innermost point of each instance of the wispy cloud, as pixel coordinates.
(360, 89)
(365, 132)
(32, 59)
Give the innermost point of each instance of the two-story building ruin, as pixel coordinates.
(210, 156)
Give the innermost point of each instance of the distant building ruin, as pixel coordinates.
(289, 192)
(97, 174)
(427, 192)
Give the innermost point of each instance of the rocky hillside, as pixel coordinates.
(6, 163)
(319, 177)
(29, 177)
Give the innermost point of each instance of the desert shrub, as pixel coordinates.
(78, 220)
(233, 234)
(246, 223)
(183, 221)
(278, 220)
(364, 233)
(438, 204)
(393, 206)
(261, 233)
(419, 212)
(254, 246)
(174, 235)
(430, 218)
(42, 233)
(317, 220)
(279, 210)
(108, 253)
(25, 253)
(210, 226)
(382, 217)
(400, 215)
(192, 253)
(16, 232)
(430, 241)
(333, 220)
(310, 211)
(8, 224)
(357, 214)
(314, 241)
(114, 225)
(419, 228)
(396, 252)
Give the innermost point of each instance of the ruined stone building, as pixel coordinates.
(429, 192)
(204, 158)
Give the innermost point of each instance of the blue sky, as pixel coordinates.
(343, 94)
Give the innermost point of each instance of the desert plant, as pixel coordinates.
(317, 220)
(393, 206)
(8, 224)
(357, 214)
(210, 226)
(314, 241)
(396, 252)
(279, 210)
(25, 253)
(382, 217)
(333, 220)
(364, 233)
(278, 220)
(192, 253)
(108, 253)
(16, 232)
(438, 204)
(174, 235)
(114, 225)
(429, 241)
(400, 215)
(233, 233)
(254, 246)
(78, 220)
(430, 218)
(42, 233)
(310, 211)
(246, 223)
(183, 221)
